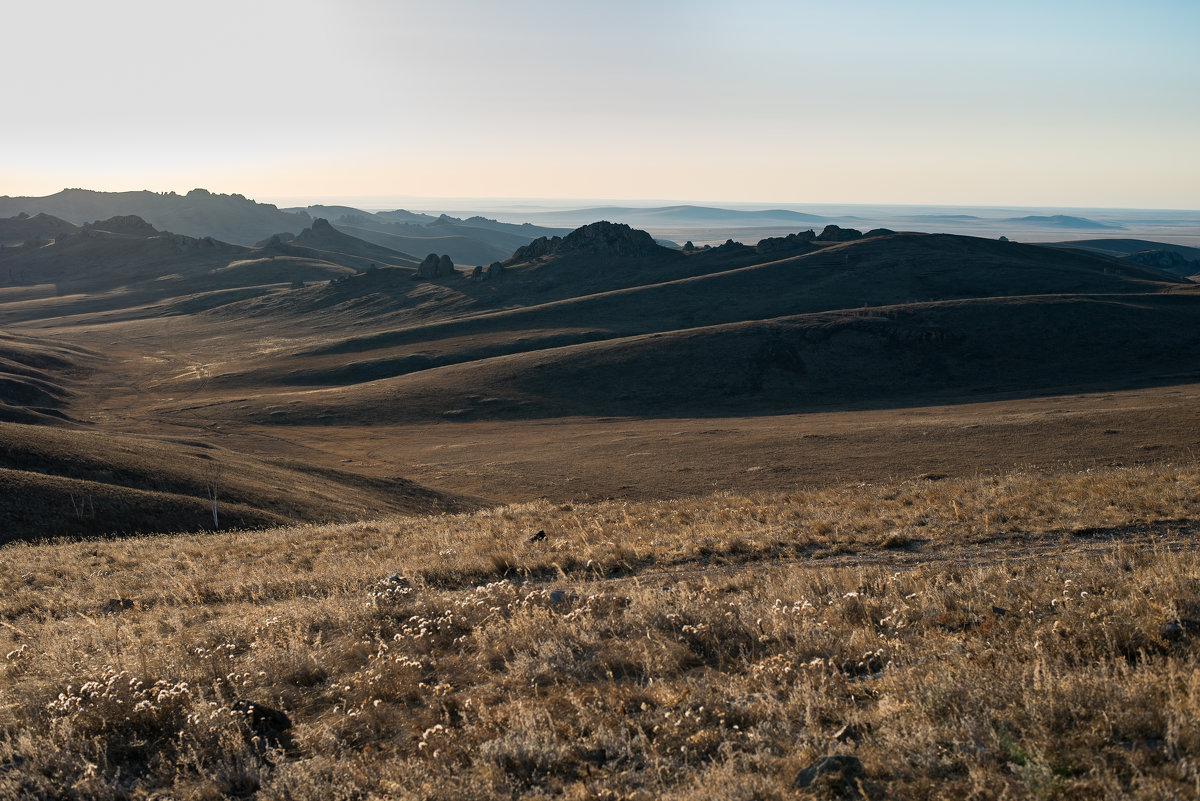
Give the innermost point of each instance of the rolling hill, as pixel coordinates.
(906, 315)
(251, 348)
(123, 264)
(59, 482)
(36, 377)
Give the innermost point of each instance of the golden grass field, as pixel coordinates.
(1022, 635)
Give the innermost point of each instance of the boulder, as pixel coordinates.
(428, 268)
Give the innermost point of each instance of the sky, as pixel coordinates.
(1050, 103)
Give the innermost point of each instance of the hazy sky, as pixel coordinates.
(1025, 103)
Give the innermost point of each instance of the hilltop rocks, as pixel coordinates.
(784, 244)
(128, 224)
(435, 266)
(599, 239)
(835, 233)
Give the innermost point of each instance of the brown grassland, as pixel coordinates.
(1027, 634)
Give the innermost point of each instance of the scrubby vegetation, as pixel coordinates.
(1015, 636)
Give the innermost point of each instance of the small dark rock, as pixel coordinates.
(541, 535)
(115, 606)
(270, 727)
(16, 761)
(837, 773)
(1175, 629)
(559, 597)
(999, 611)
(594, 756)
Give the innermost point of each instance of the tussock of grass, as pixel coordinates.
(707, 648)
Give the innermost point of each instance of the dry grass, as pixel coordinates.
(706, 648)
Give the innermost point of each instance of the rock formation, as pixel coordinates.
(1163, 259)
(129, 224)
(435, 266)
(784, 244)
(489, 273)
(598, 238)
(835, 233)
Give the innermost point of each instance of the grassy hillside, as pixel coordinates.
(36, 377)
(1011, 636)
(903, 355)
(123, 268)
(57, 482)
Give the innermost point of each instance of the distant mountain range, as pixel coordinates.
(678, 216)
(240, 221)
(1061, 221)
(230, 218)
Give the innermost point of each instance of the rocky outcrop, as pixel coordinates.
(835, 233)
(489, 273)
(128, 225)
(435, 266)
(730, 247)
(597, 239)
(785, 244)
(1162, 259)
(878, 232)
